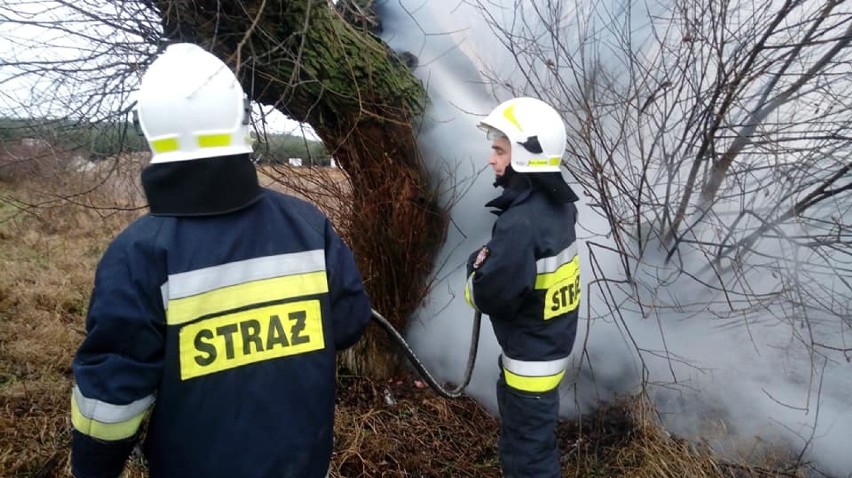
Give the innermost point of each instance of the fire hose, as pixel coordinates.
(421, 369)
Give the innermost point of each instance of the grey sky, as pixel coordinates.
(58, 59)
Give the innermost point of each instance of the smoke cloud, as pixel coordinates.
(723, 382)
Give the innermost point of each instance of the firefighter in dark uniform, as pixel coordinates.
(527, 280)
(218, 315)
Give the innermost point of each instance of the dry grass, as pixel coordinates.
(48, 251)
(420, 435)
(48, 254)
(395, 429)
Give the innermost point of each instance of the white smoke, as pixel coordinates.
(753, 380)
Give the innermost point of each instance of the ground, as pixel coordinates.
(49, 246)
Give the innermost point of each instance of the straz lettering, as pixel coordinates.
(251, 336)
(562, 289)
(564, 297)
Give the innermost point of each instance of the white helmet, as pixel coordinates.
(536, 127)
(191, 106)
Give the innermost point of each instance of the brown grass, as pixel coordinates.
(48, 251)
(49, 247)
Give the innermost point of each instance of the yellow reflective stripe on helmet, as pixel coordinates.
(214, 140)
(251, 293)
(554, 161)
(533, 376)
(165, 145)
(509, 114)
(108, 431)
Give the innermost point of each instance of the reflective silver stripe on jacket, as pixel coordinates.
(105, 412)
(535, 369)
(187, 284)
(551, 264)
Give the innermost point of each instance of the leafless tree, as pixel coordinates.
(314, 60)
(714, 138)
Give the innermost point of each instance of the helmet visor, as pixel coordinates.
(491, 132)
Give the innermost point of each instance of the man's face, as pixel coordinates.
(501, 155)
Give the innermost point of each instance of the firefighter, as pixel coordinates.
(218, 315)
(526, 279)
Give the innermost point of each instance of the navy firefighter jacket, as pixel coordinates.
(527, 278)
(219, 315)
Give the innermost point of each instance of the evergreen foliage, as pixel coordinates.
(107, 139)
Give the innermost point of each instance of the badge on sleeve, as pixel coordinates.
(480, 258)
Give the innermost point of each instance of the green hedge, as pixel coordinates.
(106, 139)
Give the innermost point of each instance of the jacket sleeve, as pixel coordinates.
(118, 366)
(350, 305)
(507, 274)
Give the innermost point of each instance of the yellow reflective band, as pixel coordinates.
(101, 430)
(555, 161)
(567, 271)
(468, 291)
(106, 412)
(509, 114)
(250, 336)
(533, 384)
(185, 284)
(165, 145)
(232, 297)
(563, 288)
(214, 140)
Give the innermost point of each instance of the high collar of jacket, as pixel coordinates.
(518, 187)
(201, 187)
